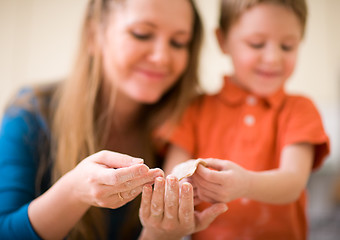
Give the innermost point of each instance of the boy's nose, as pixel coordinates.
(272, 54)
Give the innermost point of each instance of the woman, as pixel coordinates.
(136, 68)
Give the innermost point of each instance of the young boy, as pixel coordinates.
(260, 144)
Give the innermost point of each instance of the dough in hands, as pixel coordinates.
(187, 169)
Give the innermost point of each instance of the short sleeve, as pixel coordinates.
(305, 125)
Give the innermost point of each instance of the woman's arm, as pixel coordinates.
(96, 181)
(105, 179)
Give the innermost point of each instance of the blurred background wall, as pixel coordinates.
(38, 39)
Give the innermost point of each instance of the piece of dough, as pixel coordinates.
(187, 169)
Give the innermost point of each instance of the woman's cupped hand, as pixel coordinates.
(167, 210)
(110, 179)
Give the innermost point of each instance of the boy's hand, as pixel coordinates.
(221, 181)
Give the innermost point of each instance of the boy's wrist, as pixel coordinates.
(250, 189)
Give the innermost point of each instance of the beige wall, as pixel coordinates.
(38, 40)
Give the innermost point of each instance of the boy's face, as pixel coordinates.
(263, 45)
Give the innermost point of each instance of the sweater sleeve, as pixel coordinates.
(18, 167)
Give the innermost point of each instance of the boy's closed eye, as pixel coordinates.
(287, 48)
(256, 45)
(284, 47)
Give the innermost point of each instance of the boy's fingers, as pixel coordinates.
(210, 175)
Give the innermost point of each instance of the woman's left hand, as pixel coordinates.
(167, 211)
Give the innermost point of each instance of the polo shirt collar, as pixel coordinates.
(234, 95)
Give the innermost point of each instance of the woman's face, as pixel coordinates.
(145, 47)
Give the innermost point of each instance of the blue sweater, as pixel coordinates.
(18, 168)
(20, 140)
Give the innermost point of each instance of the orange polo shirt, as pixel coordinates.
(252, 131)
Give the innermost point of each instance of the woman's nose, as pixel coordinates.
(160, 53)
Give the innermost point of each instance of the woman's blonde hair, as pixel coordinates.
(78, 124)
(231, 10)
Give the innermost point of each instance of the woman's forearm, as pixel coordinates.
(148, 235)
(56, 212)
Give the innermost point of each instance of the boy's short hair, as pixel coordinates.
(231, 10)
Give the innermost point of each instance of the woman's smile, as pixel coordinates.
(151, 75)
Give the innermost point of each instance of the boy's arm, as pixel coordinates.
(286, 183)
(174, 156)
(277, 186)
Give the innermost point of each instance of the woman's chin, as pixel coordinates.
(147, 99)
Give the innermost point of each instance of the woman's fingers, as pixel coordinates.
(205, 218)
(115, 160)
(145, 207)
(128, 190)
(186, 206)
(138, 174)
(165, 210)
(128, 196)
(152, 175)
(152, 204)
(171, 200)
(110, 187)
(118, 169)
(157, 201)
(149, 178)
(122, 175)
